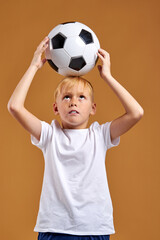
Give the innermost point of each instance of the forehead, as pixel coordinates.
(76, 88)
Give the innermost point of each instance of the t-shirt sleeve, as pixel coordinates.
(46, 133)
(107, 136)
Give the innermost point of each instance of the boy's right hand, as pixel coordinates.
(37, 60)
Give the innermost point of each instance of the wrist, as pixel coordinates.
(107, 77)
(33, 67)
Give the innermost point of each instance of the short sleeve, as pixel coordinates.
(46, 133)
(107, 136)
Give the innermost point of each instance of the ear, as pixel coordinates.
(55, 108)
(93, 111)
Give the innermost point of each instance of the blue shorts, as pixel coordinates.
(64, 236)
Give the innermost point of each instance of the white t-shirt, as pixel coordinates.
(75, 197)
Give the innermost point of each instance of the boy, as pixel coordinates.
(75, 198)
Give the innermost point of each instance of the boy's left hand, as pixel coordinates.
(104, 69)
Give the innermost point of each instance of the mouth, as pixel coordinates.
(73, 112)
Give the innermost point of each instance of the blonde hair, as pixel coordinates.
(69, 82)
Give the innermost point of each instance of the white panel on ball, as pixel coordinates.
(61, 57)
(68, 72)
(70, 30)
(90, 54)
(74, 46)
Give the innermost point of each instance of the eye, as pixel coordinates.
(66, 97)
(82, 97)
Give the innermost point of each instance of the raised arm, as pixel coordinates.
(134, 111)
(16, 102)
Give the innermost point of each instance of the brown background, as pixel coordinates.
(129, 31)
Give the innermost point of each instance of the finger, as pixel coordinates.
(46, 39)
(42, 48)
(100, 56)
(103, 52)
(43, 43)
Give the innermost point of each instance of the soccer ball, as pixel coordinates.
(72, 49)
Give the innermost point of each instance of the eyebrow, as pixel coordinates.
(69, 93)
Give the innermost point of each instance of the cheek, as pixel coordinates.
(63, 108)
(87, 109)
(65, 102)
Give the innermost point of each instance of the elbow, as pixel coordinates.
(9, 107)
(139, 114)
(12, 108)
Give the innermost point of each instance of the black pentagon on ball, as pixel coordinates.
(52, 65)
(86, 36)
(58, 41)
(77, 63)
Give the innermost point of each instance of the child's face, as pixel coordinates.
(74, 107)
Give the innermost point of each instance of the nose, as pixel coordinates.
(73, 104)
(73, 101)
